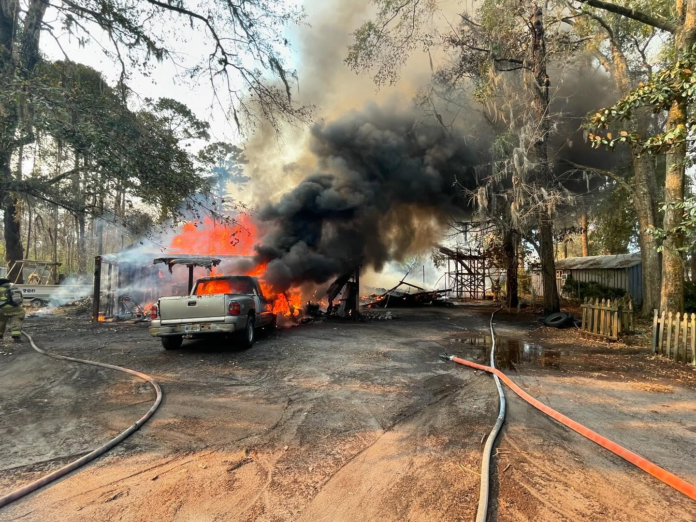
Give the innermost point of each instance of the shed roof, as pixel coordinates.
(599, 262)
(190, 260)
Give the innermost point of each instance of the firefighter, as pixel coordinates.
(11, 310)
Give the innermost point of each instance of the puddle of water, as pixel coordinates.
(513, 352)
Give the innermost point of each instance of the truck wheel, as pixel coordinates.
(249, 334)
(172, 343)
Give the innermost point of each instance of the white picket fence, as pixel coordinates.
(674, 336)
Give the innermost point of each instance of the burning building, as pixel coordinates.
(384, 187)
(128, 283)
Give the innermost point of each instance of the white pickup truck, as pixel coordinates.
(222, 305)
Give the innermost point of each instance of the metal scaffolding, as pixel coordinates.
(466, 272)
(468, 266)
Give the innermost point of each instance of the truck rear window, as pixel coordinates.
(224, 286)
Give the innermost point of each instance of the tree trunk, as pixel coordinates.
(543, 174)
(583, 232)
(548, 269)
(15, 60)
(644, 203)
(511, 260)
(29, 224)
(672, 295)
(81, 244)
(13, 237)
(644, 191)
(55, 234)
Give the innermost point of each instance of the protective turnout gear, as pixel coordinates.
(11, 309)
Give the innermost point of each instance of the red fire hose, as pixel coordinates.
(656, 471)
(30, 488)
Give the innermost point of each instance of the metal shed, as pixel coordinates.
(623, 271)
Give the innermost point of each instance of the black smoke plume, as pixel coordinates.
(389, 181)
(384, 189)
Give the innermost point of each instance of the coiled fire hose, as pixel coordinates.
(656, 471)
(30, 488)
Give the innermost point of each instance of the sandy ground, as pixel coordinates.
(341, 421)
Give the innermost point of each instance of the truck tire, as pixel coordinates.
(249, 333)
(172, 342)
(559, 320)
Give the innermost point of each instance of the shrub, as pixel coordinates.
(593, 290)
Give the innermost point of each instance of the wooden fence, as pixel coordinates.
(606, 319)
(674, 336)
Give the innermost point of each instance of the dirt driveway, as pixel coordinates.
(328, 421)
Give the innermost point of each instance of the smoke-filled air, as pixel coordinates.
(384, 187)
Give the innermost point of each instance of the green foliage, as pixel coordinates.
(674, 83)
(690, 296)
(615, 223)
(385, 43)
(524, 283)
(581, 290)
(82, 122)
(687, 226)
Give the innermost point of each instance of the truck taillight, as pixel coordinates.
(234, 308)
(154, 312)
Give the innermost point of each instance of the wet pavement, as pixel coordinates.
(513, 353)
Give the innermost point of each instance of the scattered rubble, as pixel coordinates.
(376, 316)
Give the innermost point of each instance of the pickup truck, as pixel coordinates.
(217, 306)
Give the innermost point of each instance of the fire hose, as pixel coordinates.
(482, 511)
(33, 486)
(656, 471)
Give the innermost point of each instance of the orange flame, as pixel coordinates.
(211, 238)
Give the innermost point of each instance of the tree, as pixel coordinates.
(620, 45)
(504, 37)
(675, 99)
(244, 64)
(225, 162)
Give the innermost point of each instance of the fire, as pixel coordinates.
(211, 238)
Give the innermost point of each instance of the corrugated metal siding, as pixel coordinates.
(636, 283)
(629, 279)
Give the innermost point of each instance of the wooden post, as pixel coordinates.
(630, 316)
(595, 322)
(584, 316)
(602, 320)
(685, 327)
(663, 323)
(669, 334)
(654, 332)
(356, 315)
(693, 339)
(97, 288)
(109, 295)
(617, 321)
(677, 324)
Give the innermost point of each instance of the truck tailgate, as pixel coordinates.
(192, 307)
